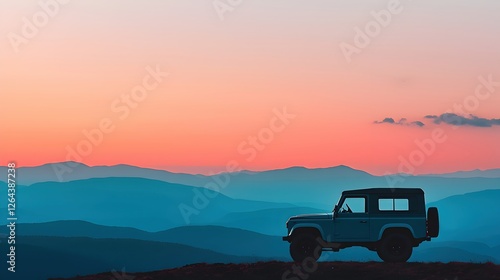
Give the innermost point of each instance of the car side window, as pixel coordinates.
(393, 204)
(353, 205)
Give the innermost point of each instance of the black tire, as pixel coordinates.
(433, 222)
(395, 247)
(303, 246)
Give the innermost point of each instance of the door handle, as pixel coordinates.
(363, 222)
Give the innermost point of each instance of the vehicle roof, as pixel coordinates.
(385, 191)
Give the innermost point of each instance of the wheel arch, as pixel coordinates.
(307, 227)
(399, 228)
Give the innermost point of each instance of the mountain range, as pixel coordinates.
(105, 217)
(300, 184)
(41, 257)
(84, 248)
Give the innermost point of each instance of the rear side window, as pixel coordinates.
(393, 204)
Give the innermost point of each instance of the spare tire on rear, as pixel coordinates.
(433, 221)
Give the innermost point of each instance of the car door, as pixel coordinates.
(352, 221)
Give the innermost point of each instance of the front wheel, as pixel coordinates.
(395, 247)
(305, 246)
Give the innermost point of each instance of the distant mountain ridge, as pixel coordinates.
(241, 217)
(470, 217)
(298, 184)
(71, 171)
(154, 205)
(230, 241)
(488, 173)
(135, 202)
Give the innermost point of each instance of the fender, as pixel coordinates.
(308, 225)
(395, 225)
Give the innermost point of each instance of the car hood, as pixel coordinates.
(320, 216)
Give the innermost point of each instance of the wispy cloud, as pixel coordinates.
(402, 121)
(471, 120)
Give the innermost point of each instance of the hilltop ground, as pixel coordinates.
(322, 270)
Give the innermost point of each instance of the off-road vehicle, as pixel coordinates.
(390, 221)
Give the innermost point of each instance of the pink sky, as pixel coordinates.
(227, 76)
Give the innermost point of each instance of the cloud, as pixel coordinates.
(386, 120)
(418, 123)
(402, 121)
(471, 120)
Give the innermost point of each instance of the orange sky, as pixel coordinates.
(227, 76)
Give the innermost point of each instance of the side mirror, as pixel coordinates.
(335, 210)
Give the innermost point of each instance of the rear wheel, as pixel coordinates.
(304, 246)
(395, 247)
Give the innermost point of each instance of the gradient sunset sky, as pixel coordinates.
(228, 75)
